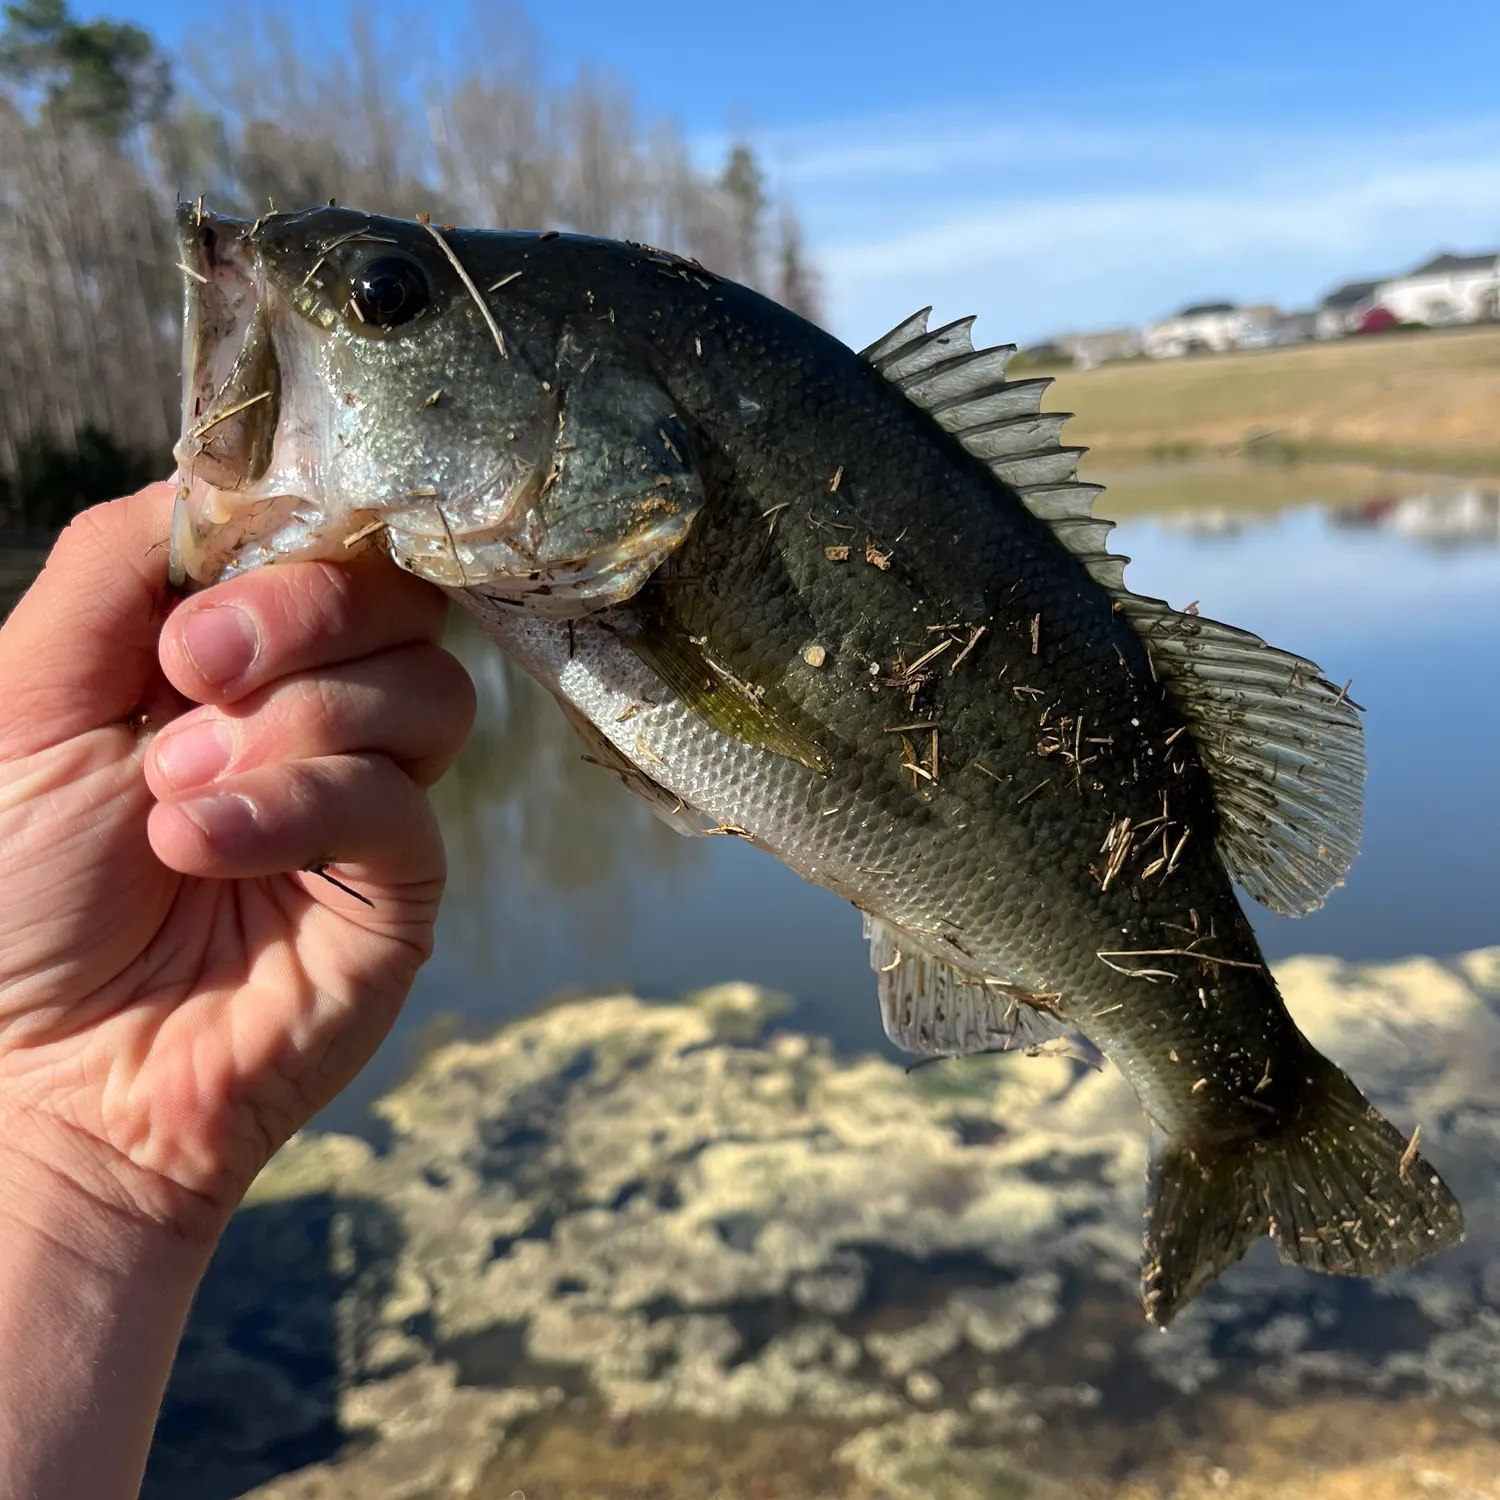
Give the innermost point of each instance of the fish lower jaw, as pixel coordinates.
(219, 533)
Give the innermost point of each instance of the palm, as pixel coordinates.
(181, 1016)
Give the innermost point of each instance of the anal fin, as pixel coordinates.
(932, 1009)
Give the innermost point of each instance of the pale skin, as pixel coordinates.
(177, 995)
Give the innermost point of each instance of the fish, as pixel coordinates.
(856, 608)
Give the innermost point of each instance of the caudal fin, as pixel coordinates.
(1339, 1191)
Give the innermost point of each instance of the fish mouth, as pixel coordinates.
(276, 465)
(231, 397)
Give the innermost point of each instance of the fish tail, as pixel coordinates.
(1339, 1191)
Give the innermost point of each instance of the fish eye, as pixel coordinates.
(389, 291)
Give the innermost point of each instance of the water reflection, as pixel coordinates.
(1460, 518)
(535, 831)
(563, 883)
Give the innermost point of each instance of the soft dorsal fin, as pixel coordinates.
(1284, 747)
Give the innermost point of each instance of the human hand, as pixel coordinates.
(177, 995)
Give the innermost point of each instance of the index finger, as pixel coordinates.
(79, 650)
(238, 636)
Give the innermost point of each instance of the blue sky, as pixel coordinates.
(1059, 166)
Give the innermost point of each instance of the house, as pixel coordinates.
(1209, 327)
(1294, 328)
(1257, 326)
(1344, 306)
(1089, 349)
(1446, 290)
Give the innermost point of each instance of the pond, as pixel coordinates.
(562, 884)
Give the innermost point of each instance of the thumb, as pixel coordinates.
(79, 650)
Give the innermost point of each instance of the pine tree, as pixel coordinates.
(107, 75)
(744, 185)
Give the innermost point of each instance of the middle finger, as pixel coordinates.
(414, 704)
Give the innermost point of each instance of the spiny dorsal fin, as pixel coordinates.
(932, 1010)
(1284, 747)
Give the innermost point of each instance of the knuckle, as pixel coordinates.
(324, 602)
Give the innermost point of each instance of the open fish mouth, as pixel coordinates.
(231, 405)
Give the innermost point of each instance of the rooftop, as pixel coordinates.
(1350, 293)
(1447, 262)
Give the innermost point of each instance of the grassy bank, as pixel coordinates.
(1425, 401)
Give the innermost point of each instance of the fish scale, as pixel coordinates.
(760, 572)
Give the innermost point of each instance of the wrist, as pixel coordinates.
(51, 1171)
(98, 1218)
(93, 1298)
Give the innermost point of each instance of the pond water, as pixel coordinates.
(561, 883)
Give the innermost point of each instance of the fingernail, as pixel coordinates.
(222, 641)
(223, 821)
(194, 755)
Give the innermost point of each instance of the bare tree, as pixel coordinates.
(96, 144)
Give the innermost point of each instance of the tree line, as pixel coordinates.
(101, 132)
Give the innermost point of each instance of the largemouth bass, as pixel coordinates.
(856, 609)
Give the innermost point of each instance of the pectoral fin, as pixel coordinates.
(721, 697)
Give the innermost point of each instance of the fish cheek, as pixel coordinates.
(622, 482)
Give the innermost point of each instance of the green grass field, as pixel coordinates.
(1424, 401)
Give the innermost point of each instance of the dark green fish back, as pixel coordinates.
(961, 651)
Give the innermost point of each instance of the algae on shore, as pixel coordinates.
(620, 1238)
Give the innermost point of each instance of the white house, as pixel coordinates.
(1344, 306)
(1446, 290)
(1209, 327)
(1087, 350)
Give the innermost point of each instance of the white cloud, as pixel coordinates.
(1041, 228)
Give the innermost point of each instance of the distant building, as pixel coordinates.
(1089, 349)
(1294, 328)
(1344, 306)
(1209, 327)
(1257, 326)
(1446, 290)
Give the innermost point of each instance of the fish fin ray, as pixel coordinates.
(1283, 747)
(930, 1008)
(906, 332)
(713, 693)
(1339, 1192)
